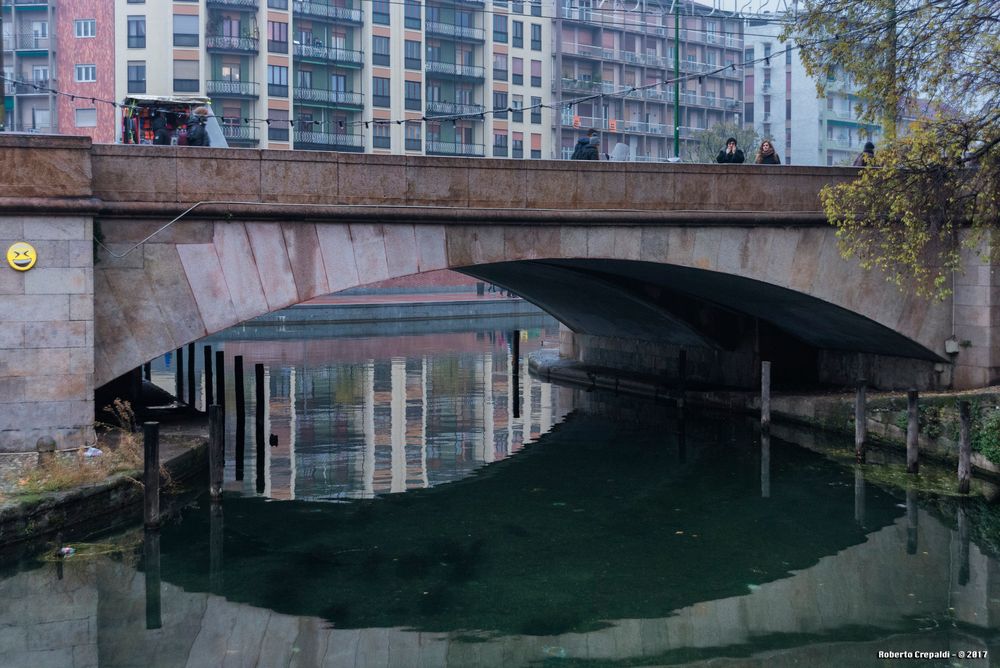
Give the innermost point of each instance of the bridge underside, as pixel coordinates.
(733, 321)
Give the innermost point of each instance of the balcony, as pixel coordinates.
(324, 141)
(227, 88)
(231, 44)
(437, 107)
(453, 69)
(328, 55)
(455, 31)
(321, 11)
(436, 147)
(29, 42)
(240, 135)
(238, 5)
(336, 98)
(583, 85)
(32, 87)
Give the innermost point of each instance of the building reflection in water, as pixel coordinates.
(357, 417)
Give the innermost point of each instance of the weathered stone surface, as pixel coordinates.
(573, 242)
(432, 247)
(338, 256)
(58, 281)
(237, 261)
(369, 253)
(401, 251)
(58, 334)
(303, 177)
(271, 257)
(36, 308)
(306, 260)
(55, 228)
(208, 284)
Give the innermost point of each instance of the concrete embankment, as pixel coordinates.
(831, 411)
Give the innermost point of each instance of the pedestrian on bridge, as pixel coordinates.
(586, 146)
(866, 156)
(766, 155)
(731, 154)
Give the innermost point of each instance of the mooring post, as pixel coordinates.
(147, 371)
(515, 355)
(179, 374)
(860, 422)
(765, 395)
(151, 473)
(215, 542)
(239, 390)
(912, 432)
(765, 464)
(681, 438)
(259, 424)
(911, 520)
(191, 386)
(151, 570)
(963, 544)
(216, 443)
(682, 357)
(859, 495)
(964, 447)
(209, 384)
(220, 381)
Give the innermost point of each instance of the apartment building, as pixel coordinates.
(346, 75)
(782, 104)
(66, 47)
(609, 48)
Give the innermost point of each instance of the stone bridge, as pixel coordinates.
(733, 264)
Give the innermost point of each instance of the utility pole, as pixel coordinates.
(3, 88)
(677, 79)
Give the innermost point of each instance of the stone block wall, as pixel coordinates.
(47, 333)
(977, 319)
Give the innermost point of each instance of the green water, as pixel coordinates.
(420, 522)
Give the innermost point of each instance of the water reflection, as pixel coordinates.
(350, 418)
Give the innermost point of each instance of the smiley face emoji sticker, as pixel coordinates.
(22, 256)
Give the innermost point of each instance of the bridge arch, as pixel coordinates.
(641, 281)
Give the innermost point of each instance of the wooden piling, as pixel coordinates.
(765, 395)
(220, 380)
(147, 371)
(765, 464)
(216, 537)
(912, 432)
(911, 520)
(860, 422)
(239, 390)
(859, 495)
(151, 473)
(191, 385)
(151, 573)
(179, 374)
(964, 447)
(515, 354)
(209, 383)
(259, 425)
(216, 443)
(681, 376)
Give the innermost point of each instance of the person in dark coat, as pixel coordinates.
(196, 133)
(582, 150)
(730, 154)
(866, 156)
(766, 154)
(161, 134)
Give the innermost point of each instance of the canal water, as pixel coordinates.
(423, 501)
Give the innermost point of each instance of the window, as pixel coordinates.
(517, 70)
(536, 146)
(85, 73)
(380, 12)
(517, 33)
(536, 110)
(536, 7)
(381, 136)
(277, 37)
(499, 66)
(277, 80)
(412, 95)
(303, 79)
(137, 32)
(380, 91)
(186, 76)
(499, 144)
(85, 28)
(499, 105)
(380, 50)
(788, 57)
(536, 73)
(500, 28)
(86, 118)
(517, 6)
(411, 14)
(517, 104)
(411, 55)
(277, 129)
(136, 2)
(277, 4)
(412, 130)
(536, 37)
(137, 76)
(518, 147)
(185, 30)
